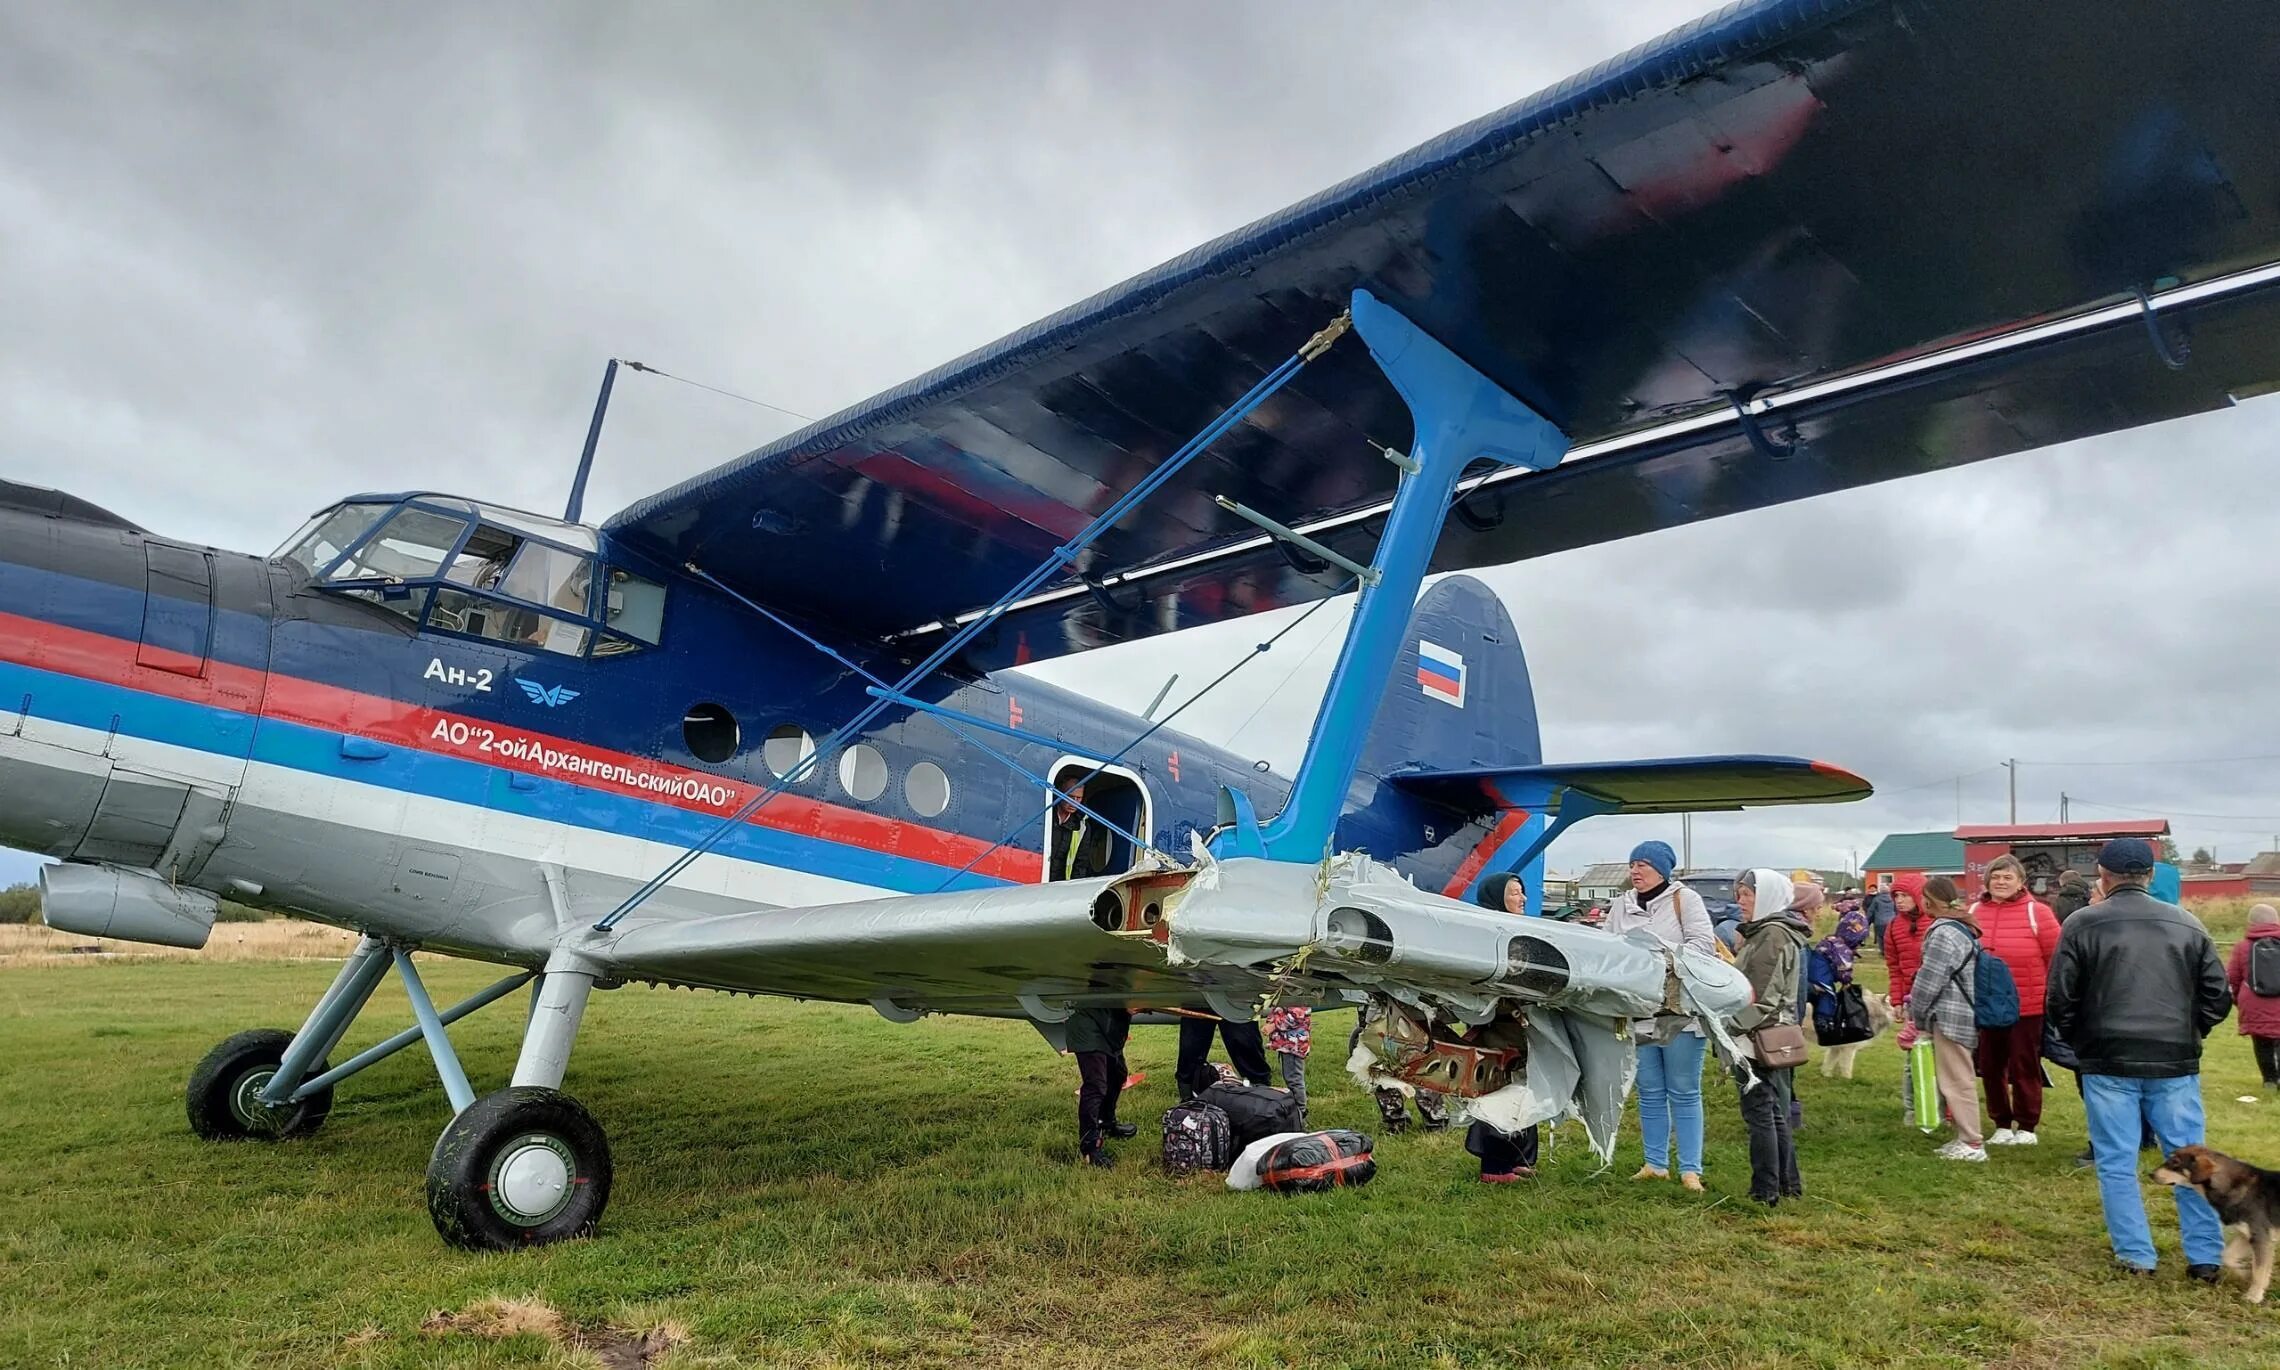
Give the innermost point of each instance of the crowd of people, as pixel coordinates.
(2112, 980)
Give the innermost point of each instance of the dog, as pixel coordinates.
(1837, 1062)
(2247, 1201)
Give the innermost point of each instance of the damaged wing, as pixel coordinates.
(1226, 936)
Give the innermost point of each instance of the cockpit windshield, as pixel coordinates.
(457, 567)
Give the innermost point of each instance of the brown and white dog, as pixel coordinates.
(2247, 1201)
(1837, 1062)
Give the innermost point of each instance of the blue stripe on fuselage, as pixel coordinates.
(93, 704)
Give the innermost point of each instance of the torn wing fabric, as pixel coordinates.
(1580, 1066)
(1355, 924)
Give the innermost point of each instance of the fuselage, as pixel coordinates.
(248, 726)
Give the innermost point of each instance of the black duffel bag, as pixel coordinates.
(1253, 1111)
(1317, 1161)
(1847, 1020)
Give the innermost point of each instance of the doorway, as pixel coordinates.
(1115, 794)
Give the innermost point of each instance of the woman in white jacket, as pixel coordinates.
(1670, 1056)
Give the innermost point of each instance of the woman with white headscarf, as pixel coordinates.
(1773, 936)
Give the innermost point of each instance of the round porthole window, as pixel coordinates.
(710, 732)
(863, 772)
(787, 746)
(927, 789)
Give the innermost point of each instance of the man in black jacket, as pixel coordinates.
(2134, 987)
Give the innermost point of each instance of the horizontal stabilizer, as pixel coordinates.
(1691, 784)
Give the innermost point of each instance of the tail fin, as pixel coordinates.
(1460, 699)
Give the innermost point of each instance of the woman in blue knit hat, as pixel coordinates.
(1671, 1048)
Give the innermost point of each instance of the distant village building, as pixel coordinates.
(1912, 853)
(1602, 882)
(2236, 879)
(2047, 850)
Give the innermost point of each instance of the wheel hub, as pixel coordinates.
(531, 1180)
(245, 1102)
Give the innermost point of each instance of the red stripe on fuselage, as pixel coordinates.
(329, 708)
(1507, 826)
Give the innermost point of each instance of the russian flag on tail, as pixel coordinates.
(1440, 673)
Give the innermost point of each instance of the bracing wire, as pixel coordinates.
(1153, 728)
(726, 394)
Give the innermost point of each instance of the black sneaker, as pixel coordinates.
(1123, 1132)
(1108, 1162)
(2144, 1272)
(2206, 1274)
(2085, 1160)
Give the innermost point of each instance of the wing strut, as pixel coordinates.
(1461, 416)
(1063, 557)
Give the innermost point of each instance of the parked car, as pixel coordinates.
(1717, 890)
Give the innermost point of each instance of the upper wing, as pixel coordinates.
(1693, 784)
(1919, 234)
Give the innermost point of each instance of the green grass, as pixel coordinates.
(812, 1186)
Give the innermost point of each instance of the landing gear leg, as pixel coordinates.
(528, 1164)
(250, 1086)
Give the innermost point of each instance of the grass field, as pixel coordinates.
(813, 1186)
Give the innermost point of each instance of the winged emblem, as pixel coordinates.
(553, 697)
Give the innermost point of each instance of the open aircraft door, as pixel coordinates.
(1115, 793)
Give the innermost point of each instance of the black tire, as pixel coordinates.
(220, 1099)
(546, 1137)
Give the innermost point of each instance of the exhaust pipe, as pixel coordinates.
(131, 906)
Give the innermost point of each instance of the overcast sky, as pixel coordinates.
(254, 258)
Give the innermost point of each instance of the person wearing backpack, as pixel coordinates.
(2134, 989)
(2020, 931)
(2253, 971)
(1942, 1004)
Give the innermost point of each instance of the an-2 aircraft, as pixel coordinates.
(754, 733)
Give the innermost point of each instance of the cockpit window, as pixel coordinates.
(482, 616)
(509, 577)
(330, 534)
(635, 605)
(550, 576)
(412, 545)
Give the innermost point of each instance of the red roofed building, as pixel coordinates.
(2046, 849)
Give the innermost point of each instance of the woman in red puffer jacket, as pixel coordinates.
(1904, 943)
(2023, 933)
(1903, 953)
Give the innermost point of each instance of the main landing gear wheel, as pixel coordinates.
(224, 1095)
(522, 1167)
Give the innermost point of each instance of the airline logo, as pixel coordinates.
(1440, 673)
(553, 697)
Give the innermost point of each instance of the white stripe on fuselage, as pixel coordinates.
(286, 794)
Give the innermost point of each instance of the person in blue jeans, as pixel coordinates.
(1670, 1049)
(2134, 987)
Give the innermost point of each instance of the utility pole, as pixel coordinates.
(2012, 766)
(2062, 806)
(1686, 841)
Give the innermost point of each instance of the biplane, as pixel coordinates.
(760, 733)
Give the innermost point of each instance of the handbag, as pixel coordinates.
(1779, 1046)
